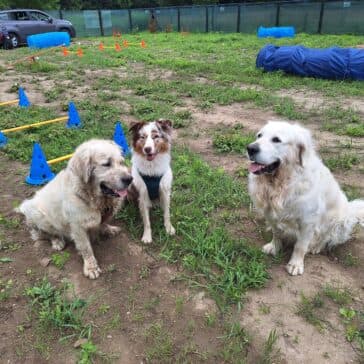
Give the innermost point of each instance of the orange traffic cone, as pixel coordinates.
(79, 52)
(117, 47)
(125, 43)
(101, 47)
(143, 44)
(65, 51)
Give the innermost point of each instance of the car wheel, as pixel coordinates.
(66, 30)
(14, 39)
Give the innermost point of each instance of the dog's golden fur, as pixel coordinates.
(80, 200)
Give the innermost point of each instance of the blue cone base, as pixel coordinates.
(40, 172)
(23, 99)
(3, 140)
(74, 120)
(40, 181)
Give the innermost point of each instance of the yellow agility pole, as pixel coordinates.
(23, 127)
(9, 102)
(60, 159)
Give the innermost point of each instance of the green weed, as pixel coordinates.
(350, 260)
(159, 343)
(5, 289)
(309, 309)
(344, 161)
(232, 140)
(179, 305)
(339, 295)
(235, 344)
(271, 354)
(210, 319)
(90, 352)
(9, 222)
(54, 310)
(60, 259)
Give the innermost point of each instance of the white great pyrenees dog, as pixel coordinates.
(297, 195)
(78, 203)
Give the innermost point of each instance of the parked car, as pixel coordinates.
(20, 23)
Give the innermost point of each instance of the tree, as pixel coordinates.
(36, 4)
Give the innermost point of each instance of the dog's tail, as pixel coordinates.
(22, 208)
(356, 209)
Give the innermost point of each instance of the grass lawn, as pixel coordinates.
(217, 245)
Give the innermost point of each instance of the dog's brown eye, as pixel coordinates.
(107, 164)
(259, 135)
(276, 140)
(155, 136)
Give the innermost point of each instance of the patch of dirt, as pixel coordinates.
(309, 99)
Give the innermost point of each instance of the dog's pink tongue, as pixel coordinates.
(255, 167)
(122, 193)
(150, 157)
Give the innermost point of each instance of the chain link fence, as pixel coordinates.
(326, 17)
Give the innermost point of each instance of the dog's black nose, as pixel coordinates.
(147, 150)
(127, 180)
(252, 149)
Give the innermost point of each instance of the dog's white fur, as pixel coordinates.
(300, 201)
(159, 166)
(73, 206)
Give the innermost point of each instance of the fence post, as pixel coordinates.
(321, 17)
(178, 20)
(100, 22)
(60, 14)
(130, 22)
(278, 14)
(238, 20)
(207, 20)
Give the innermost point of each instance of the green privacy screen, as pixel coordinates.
(329, 17)
(344, 17)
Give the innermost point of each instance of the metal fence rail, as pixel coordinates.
(326, 17)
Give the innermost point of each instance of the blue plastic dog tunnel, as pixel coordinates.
(331, 63)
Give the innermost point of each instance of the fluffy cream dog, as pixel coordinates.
(79, 201)
(297, 195)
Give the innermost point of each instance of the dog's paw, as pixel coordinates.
(91, 268)
(147, 237)
(110, 230)
(170, 230)
(315, 251)
(270, 248)
(58, 244)
(295, 267)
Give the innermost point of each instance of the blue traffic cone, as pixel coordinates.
(120, 139)
(40, 173)
(74, 120)
(3, 140)
(23, 99)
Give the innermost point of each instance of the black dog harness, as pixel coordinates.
(152, 183)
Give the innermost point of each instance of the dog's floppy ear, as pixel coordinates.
(166, 125)
(134, 129)
(81, 165)
(304, 145)
(301, 150)
(136, 126)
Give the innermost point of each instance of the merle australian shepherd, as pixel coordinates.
(151, 171)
